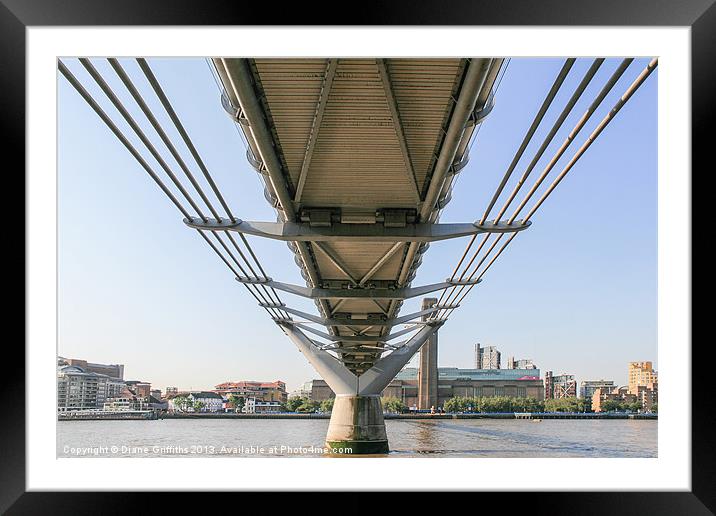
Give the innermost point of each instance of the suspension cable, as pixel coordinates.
(546, 103)
(100, 112)
(595, 134)
(206, 239)
(575, 131)
(123, 139)
(555, 127)
(138, 131)
(133, 124)
(158, 128)
(580, 152)
(530, 132)
(177, 123)
(172, 149)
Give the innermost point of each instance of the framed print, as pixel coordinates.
(207, 194)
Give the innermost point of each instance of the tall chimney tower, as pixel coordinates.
(428, 371)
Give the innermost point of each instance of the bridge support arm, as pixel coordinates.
(336, 375)
(357, 425)
(356, 338)
(377, 378)
(368, 321)
(355, 293)
(304, 232)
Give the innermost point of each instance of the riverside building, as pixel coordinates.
(452, 381)
(254, 406)
(211, 402)
(78, 389)
(587, 387)
(317, 390)
(111, 370)
(263, 391)
(142, 389)
(647, 395)
(126, 401)
(641, 374)
(561, 386)
(83, 385)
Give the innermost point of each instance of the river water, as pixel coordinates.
(408, 438)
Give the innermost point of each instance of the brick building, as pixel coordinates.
(263, 391)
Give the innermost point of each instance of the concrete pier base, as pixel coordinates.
(357, 426)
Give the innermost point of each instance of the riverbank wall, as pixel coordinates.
(68, 416)
(92, 415)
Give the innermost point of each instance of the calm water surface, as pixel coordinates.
(408, 438)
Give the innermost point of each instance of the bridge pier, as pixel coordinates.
(357, 426)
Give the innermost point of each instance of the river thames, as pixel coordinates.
(408, 438)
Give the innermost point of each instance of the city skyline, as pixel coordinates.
(292, 388)
(586, 307)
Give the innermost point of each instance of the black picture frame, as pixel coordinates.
(17, 15)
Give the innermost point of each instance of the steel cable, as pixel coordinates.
(127, 144)
(192, 149)
(548, 139)
(105, 118)
(580, 152)
(172, 149)
(537, 120)
(182, 132)
(142, 136)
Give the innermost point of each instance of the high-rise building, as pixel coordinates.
(487, 358)
(428, 370)
(520, 364)
(587, 387)
(548, 387)
(565, 386)
(561, 386)
(641, 374)
(78, 389)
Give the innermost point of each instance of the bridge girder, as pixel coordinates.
(369, 320)
(355, 293)
(340, 232)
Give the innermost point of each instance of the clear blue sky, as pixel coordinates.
(576, 292)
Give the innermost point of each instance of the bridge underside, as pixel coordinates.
(349, 148)
(358, 157)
